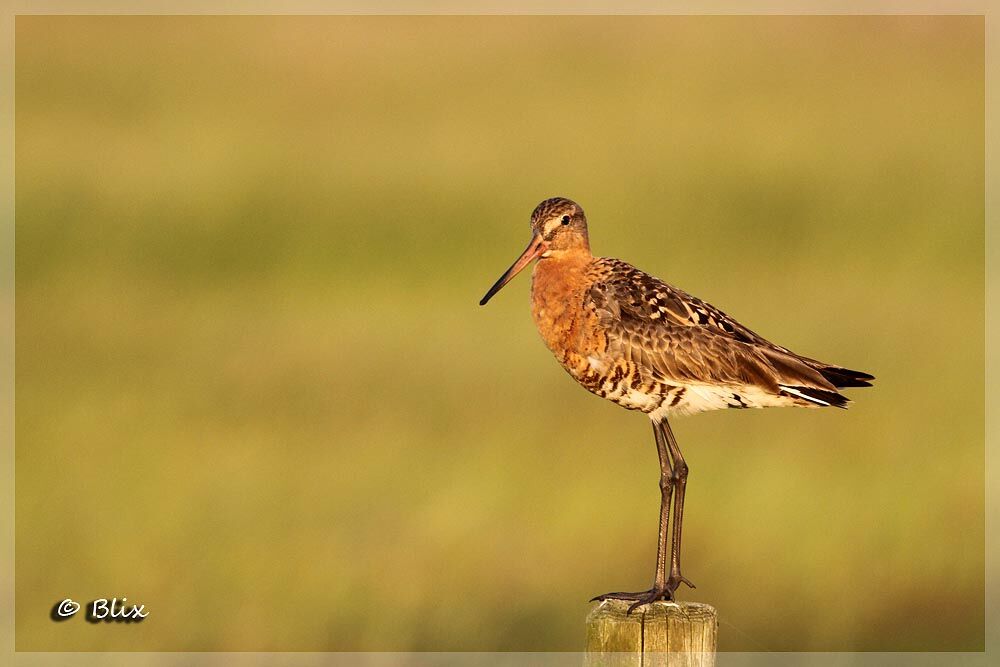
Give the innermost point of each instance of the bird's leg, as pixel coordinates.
(666, 489)
(661, 584)
(680, 473)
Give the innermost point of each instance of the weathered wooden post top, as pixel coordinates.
(669, 634)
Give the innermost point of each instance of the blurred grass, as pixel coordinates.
(255, 392)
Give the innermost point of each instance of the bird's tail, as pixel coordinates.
(839, 378)
(814, 382)
(845, 377)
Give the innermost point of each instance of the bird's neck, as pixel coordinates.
(561, 268)
(557, 285)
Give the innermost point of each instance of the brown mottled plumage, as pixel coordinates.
(646, 345)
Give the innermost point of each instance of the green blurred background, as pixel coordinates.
(256, 394)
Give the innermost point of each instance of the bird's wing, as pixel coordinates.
(648, 297)
(680, 338)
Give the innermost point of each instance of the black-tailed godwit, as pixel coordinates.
(633, 339)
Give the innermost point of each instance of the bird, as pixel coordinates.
(633, 339)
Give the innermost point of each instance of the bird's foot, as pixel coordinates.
(640, 598)
(676, 579)
(666, 592)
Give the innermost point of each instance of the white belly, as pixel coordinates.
(702, 398)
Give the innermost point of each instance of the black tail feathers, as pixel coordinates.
(844, 377)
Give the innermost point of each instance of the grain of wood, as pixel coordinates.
(667, 634)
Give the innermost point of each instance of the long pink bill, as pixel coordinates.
(533, 251)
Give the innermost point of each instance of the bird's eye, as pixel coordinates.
(565, 219)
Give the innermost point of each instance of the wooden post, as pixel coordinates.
(669, 634)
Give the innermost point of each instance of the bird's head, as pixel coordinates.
(561, 224)
(558, 227)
